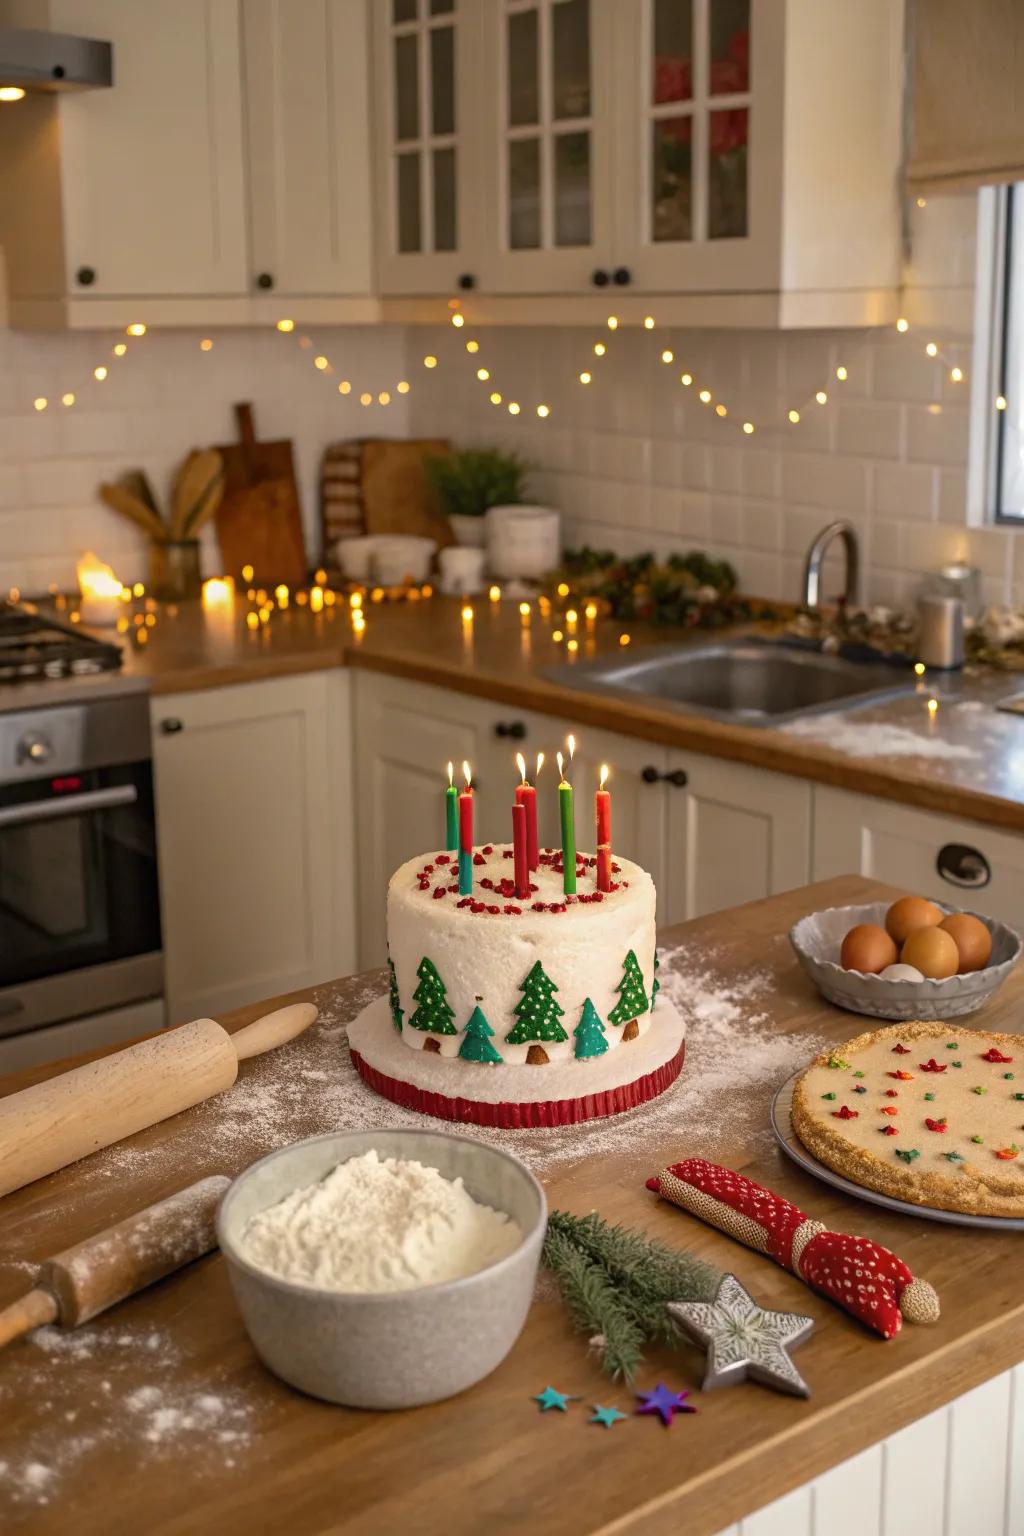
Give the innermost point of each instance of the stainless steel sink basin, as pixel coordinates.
(748, 681)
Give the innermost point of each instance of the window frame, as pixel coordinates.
(998, 333)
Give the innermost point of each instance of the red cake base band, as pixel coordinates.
(377, 1055)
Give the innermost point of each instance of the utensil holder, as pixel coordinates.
(174, 573)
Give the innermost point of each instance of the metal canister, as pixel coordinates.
(940, 631)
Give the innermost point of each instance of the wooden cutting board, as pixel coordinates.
(259, 520)
(378, 485)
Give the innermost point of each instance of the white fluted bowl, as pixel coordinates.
(817, 940)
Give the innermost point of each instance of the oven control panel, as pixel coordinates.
(70, 738)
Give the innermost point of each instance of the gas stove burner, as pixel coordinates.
(34, 645)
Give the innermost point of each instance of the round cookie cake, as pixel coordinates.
(928, 1113)
(532, 1011)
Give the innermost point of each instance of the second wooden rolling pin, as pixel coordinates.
(45, 1127)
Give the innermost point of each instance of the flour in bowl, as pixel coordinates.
(378, 1224)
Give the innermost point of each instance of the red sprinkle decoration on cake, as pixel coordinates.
(845, 1113)
(931, 1065)
(903, 1077)
(901, 1050)
(935, 1125)
(994, 1055)
(890, 1130)
(888, 1109)
(892, 1093)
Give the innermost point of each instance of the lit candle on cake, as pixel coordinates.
(603, 813)
(565, 808)
(520, 865)
(451, 813)
(526, 796)
(466, 835)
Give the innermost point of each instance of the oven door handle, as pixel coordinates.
(68, 805)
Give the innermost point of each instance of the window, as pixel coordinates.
(999, 398)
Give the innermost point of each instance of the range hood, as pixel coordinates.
(51, 61)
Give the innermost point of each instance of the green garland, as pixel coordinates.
(691, 590)
(616, 1282)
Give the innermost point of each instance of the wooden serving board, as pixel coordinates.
(488, 1460)
(259, 520)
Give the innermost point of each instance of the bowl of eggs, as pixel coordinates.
(908, 959)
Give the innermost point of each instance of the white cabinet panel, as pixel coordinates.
(976, 1471)
(152, 168)
(254, 807)
(308, 137)
(858, 834)
(788, 1516)
(914, 1497)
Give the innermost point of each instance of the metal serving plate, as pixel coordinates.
(782, 1125)
(752, 682)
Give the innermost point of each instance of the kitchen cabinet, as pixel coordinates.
(254, 814)
(961, 863)
(711, 833)
(306, 98)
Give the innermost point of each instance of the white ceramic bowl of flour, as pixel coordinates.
(384, 1347)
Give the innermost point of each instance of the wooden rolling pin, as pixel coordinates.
(82, 1281)
(45, 1127)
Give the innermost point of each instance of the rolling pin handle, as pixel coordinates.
(28, 1312)
(272, 1030)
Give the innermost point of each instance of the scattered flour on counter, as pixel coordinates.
(378, 1224)
(867, 738)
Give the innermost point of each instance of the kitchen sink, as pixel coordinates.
(752, 682)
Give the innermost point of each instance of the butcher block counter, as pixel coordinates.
(500, 656)
(159, 1418)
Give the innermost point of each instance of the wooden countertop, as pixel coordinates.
(501, 658)
(486, 1460)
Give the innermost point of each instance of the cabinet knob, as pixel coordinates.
(678, 778)
(264, 280)
(622, 276)
(600, 278)
(962, 865)
(172, 726)
(513, 730)
(466, 280)
(86, 276)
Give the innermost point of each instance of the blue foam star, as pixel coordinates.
(605, 1416)
(664, 1403)
(549, 1398)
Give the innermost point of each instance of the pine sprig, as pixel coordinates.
(595, 1307)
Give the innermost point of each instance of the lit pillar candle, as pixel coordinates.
(466, 836)
(604, 867)
(520, 865)
(451, 813)
(603, 815)
(526, 795)
(565, 807)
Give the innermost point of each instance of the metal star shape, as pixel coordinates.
(744, 1340)
(605, 1416)
(664, 1403)
(550, 1398)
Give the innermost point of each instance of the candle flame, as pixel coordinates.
(604, 775)
(561, 768)
(572, 747)
(540, 765)
(451, 774)
(521, 765)
(95, 579)
(467, 774)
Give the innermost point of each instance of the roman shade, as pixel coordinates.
(966, 78)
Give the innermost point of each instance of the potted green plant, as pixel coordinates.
(469, 482)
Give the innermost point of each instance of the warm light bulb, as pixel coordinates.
(248, 572)
(1000, 402)
(524, 609)
(613, 323)
(841, 373)
(585, 377)
(252, 620)
(316, 600)
(922, 202)
(902, 325)
(11, 93)
(494, 397)
(794, 417)
(358, 622)
(430, 361)
(206, 345)
(932, 349)
(467, 614)
(513, 408)
(668, 356)
(933, 705)
(402, 386)
(919, 668)
(122, 347)
(137, 329)
(483, 374)
(365, 399)
(321, 362)
(686, 379)
(472, 346)
(67, 399)
(956, 374)
(572, 645)
(384, 397)
(458, 321)
(590, 610)
(748, 427)
(705, 395)
(543, 411)
(599, 349)
(648, 322)
(356, 600)
(624, 639)
(720, 410)
(571, 616)
(557, 636)
(99, 373)
(494, 593)
(138, 590)
(821, 397)
(344, 388)
(40, 402)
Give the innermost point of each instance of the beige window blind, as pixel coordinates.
(967, 93)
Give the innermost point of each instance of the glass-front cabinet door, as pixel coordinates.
(547, 126)
(423, 109)
(699, 146)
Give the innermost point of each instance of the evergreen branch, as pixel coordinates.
(594, 1305)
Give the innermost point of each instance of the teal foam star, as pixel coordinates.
(605, 1416)
(550, 1398)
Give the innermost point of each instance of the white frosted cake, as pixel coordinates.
(500, 981)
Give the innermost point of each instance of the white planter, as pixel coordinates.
(471, 531)
(522, 541)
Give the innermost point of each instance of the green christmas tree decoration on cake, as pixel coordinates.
(434, 1014)
(537, 1012)
(655, 984)
(589, 1033)
(476, 1042)
(396, 1011)
(632, 997)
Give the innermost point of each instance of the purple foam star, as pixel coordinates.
(664, 1403)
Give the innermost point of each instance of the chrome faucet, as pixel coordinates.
(816, 559)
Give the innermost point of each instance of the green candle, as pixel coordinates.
(451, 814)
(565, 808)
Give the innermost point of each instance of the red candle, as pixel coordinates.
(526, 795)
(604, 867)
(603, 810)
(466, 836)
(521, 863)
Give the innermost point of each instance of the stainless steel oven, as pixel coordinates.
(79, 901)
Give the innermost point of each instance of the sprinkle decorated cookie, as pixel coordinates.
(941, 1123)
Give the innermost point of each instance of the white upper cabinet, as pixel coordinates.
(307, 127)
(426, 119)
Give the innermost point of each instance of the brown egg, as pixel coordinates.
(972, 939)
(908, 914)
(867, 948)
(933, 951)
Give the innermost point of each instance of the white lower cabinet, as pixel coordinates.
(961, 863)
(712, 834)
(254, 831)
